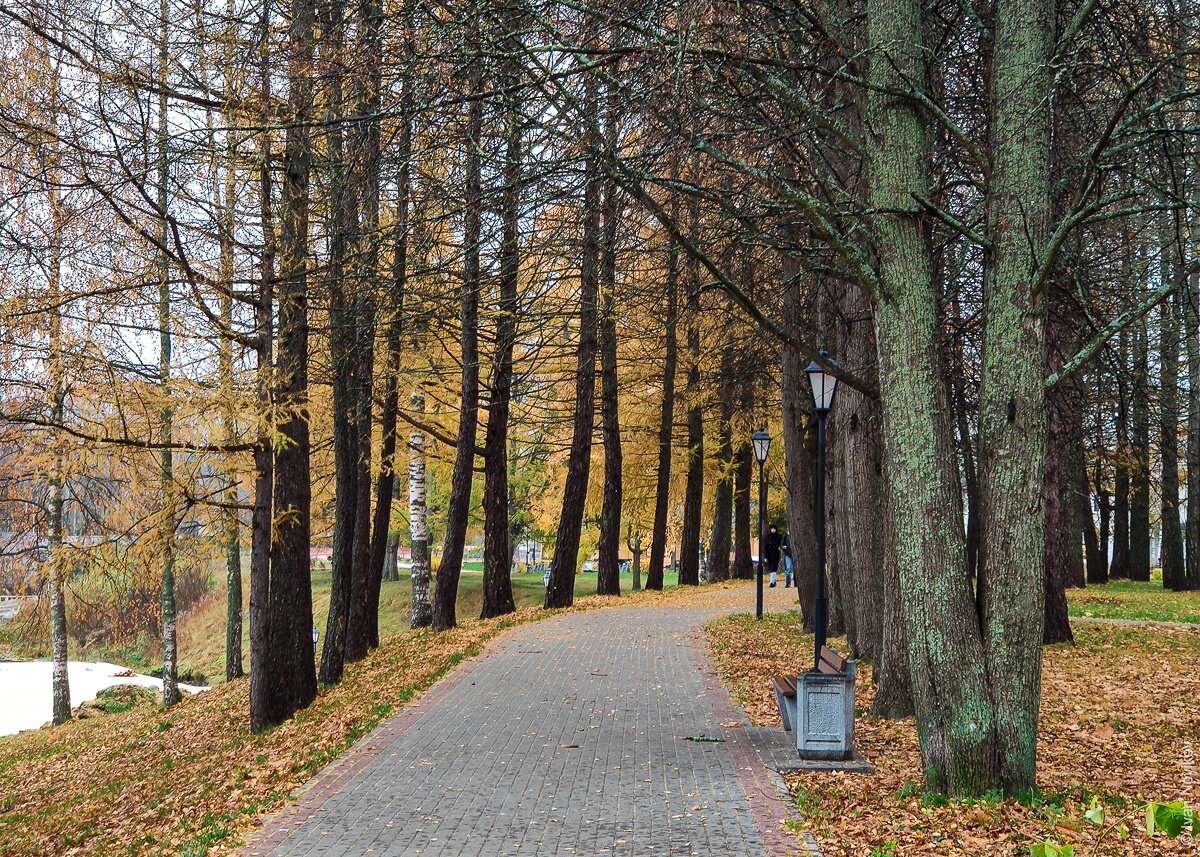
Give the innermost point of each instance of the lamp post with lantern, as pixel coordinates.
(762, 445)
(824, 385)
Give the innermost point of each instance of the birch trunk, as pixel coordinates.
(420, 608)
(170, 694)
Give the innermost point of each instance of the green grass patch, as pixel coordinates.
(1134, 601)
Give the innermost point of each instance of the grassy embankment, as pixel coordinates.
(190, 781)
(202, 629)
(1119, 721)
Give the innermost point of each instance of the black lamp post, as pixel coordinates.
(762, 445)
(824, 386)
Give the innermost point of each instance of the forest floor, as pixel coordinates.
(1119, 722)
(190, 781)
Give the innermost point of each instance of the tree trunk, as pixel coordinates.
(608, 572)
(342, 353)
(741, 567)
(799, 455)
(497, 544)
(857, 500)
(1173, 563)
(666, 427)
(1191, 315)
(383, 566)
(262, 679)
(1012, 410)
(893, 686)
(362, 587)
(232, 546)
(954, 712)
(1139, 483)
(170, 682)
(366, 136)
(722, 524)
(1059, 541)
(420, 613)
(561, 590)
(1121, 558)
(290, 678)
(60, 689)
(693, 500)
(458, 505)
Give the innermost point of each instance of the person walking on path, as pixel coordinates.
(772, 552)
(786, 551)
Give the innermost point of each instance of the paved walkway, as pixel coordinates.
(568, 737)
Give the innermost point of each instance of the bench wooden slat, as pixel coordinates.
(784, 684)
(831, 662)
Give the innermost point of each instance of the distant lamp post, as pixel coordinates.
(824, 385)
(762, 445)
(316, 636)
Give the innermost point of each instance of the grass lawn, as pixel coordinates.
(1125, 599)
(190, 781)
(1119, 721)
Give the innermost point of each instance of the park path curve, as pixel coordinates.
(567, 736)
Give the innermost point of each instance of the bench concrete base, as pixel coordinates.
(823, 718)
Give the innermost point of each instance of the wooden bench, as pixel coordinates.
(831, 663)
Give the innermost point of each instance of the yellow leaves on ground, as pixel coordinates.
(1119, 719)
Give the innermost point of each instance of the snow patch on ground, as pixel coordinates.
(25, 697)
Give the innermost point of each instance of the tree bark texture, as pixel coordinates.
(954, 711)
(719, 540)
(608, 574)
(666, 425)
(693, 499)
(741, 568)
(1012, 411)
(342, 351)
(497, 546)
(288, 664)
(856, 497)
(458, 505)
(420, 613)
(561, 591)
(1173, 561)
(1191, 316)
(1139, 448)
(799, 455)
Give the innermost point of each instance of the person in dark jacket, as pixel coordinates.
(771, 552)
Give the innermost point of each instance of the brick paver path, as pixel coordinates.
(569, 737)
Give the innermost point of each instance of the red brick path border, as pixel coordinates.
(339, 772)
(766, 804)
